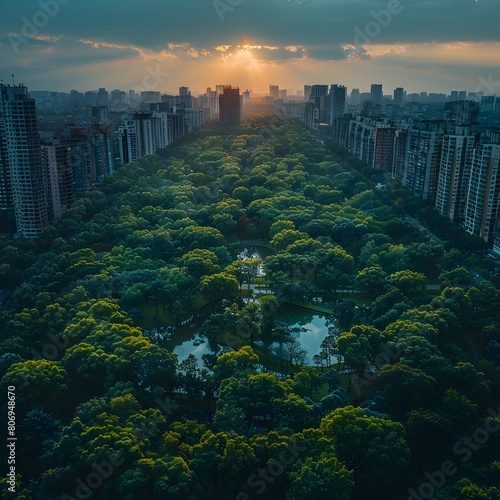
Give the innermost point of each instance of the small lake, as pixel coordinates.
(308, 327)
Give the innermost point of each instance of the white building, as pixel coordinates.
(482, 207)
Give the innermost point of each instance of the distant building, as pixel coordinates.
(150, 96)
(487, 103)
(462, 112)
(102, 98)
(56, 161)
(79, 143)
(274, 91)
(319, 97)
(376, 94)
(307, 92)
(338, 94)
(399, 96)
(103, 164)
(230, 105)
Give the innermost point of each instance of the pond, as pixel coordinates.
(308, 327)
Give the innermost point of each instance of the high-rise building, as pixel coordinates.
(79, 143)
(102, 98)
(454, 173)
(482, 208)
(307, 92)
(274, 91)
(399, 153)
(399, 96)
(143, 135)
(319, 97)
(372, 141)
(118, 99)
(423, 157)
(90, 98)
(56, 161)
(230, 105)
(150, 96)
(103, 164)
(462, 112)
(338, 95)
(100, 114)
(22, 177)
(376, 94)
(487, 103)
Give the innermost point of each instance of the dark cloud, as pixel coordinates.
(322, 30)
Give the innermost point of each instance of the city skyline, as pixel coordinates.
(436, 46)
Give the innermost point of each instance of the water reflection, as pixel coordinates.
(307, 327)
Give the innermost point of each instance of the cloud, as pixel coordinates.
(282, 34)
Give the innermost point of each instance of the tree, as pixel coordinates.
(317, 479)
(236, 363)
(200, 262)
(371, 447)
(219, 286)
(408, 282)
(406, 388)
(372, 279)
(43, 383)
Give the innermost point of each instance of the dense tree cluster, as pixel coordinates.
(408, 371)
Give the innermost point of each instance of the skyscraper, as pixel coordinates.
(274, 91)
(230, 105)
(462, 112)
(376, 94)
(399, 95)
(338, 95)
(56, 160)
(22, 180)
(319, 96)
(423, 156)
(307, 92)
(482, 208)
(454, 173)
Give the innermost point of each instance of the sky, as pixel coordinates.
(421, 45)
